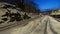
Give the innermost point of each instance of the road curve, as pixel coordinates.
(41, 25)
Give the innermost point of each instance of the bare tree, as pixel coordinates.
(1, 0)
(28, 7)
(20, 3)
(31, 7)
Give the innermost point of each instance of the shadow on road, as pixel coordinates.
(45, 30)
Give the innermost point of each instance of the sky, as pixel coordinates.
(43, 5)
